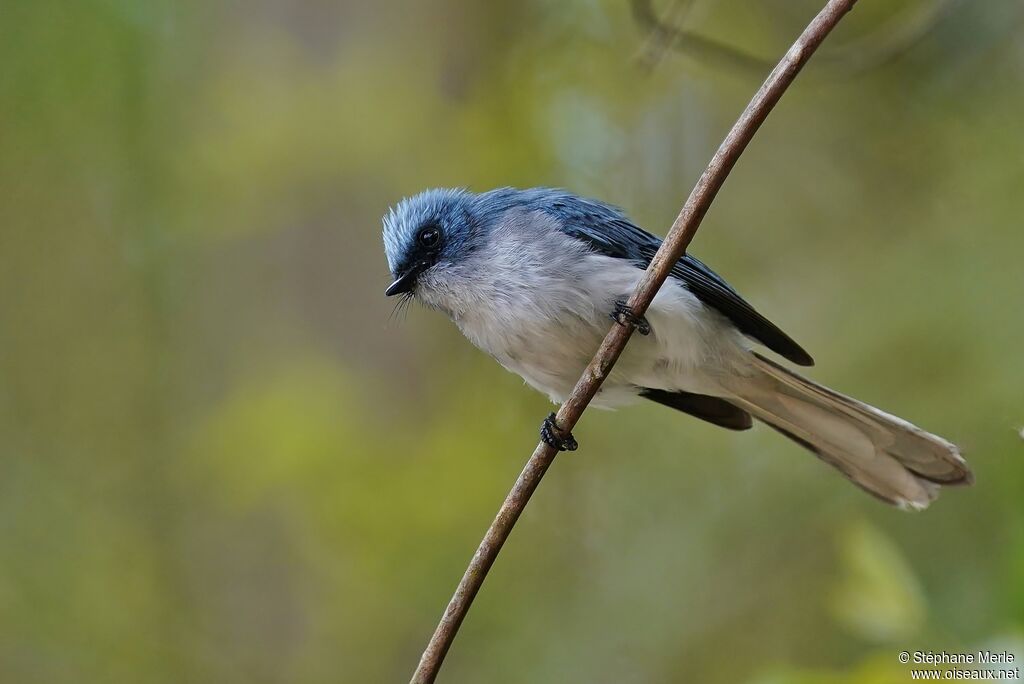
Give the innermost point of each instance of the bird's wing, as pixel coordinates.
(607, 231)
(710, 289)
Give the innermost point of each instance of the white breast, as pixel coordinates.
(539, 302)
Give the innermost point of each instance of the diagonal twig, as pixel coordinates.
(664, 34)
(673, 247)
(882, 45)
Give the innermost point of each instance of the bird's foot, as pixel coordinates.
(623, 315)
(553, 436)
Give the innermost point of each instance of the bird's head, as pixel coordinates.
(426, 238)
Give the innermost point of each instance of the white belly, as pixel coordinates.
(548, 333)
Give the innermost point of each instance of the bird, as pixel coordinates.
(534, 277)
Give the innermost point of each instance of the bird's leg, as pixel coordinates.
(623, 315)
(553, 436)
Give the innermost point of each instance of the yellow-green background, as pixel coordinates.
(222, 461)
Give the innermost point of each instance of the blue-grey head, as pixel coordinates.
(427, 234)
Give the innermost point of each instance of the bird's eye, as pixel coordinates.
(428, 237)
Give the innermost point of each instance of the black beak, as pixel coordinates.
(404, 283)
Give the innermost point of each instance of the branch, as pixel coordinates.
(882, 45)
(673, 247)
(664, 35)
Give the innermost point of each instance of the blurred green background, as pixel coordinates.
(223, 460)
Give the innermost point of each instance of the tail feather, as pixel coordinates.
(885, 455)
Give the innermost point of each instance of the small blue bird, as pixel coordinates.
(532, 277)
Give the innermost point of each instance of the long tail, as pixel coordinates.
(896, 461)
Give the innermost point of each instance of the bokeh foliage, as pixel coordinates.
(223, 461)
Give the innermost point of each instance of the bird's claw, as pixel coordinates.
(623, 315)
(553, 436)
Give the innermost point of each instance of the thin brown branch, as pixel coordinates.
(664, 34)
(882, 45)
(673, 247)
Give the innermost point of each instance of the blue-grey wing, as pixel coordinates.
(710, 289)
(607, 231)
